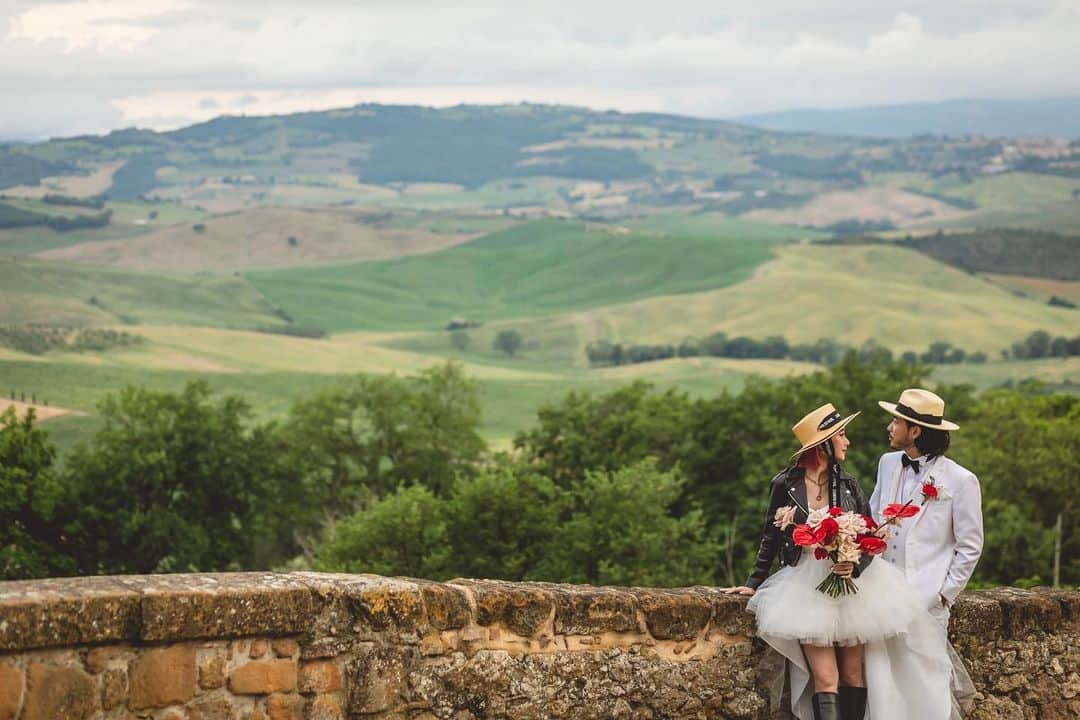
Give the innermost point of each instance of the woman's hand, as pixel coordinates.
(741, 590)
(843, 569)
(882, 532)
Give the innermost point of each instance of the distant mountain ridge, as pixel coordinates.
(1049, 117)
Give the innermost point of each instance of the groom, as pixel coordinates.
(938, 548)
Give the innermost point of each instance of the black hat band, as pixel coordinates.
(928, 419)
(829, 421)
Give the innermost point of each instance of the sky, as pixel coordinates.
(90, 66)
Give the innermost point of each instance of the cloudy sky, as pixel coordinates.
(94, 65)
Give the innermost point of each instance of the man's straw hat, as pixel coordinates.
(921, 407)
(818, 426)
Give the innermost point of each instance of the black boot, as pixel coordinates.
(826, 706)
(853, 703)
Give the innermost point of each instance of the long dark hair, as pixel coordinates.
(931, 441)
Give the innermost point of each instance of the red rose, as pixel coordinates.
(870, 524)
(872, 545)
(929, 490)
(829, 526)
(803, 535)
(835, 511)
(820, 553)
(901, 511)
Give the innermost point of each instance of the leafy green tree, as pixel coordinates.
(355, 442)
(622, 531)
(1022, 445)
(168, 484)
(459, 340)
(605, 432)
(508, 342)
(501, 522)
(30, 541)
(403, 533)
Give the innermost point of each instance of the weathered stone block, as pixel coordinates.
(258, 648)
(324, 707)
(588, 610)
(673, 615)
(730, 616)
(66, 611)
(285, 647)
(447, 606)
(97, 659)
(58, 693)
(319, 677)
(215, 709)
(376, 677)
(521, 608)
(1026, 612)
(217, 605)
(11, 691)
(162, 676)
(263, 677)
(212, 672)
(114, 688)
(284, 707)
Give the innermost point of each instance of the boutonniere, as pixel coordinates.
(932, 491)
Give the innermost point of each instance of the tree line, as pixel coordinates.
(390, 475)
(12, 217)
(823, 352)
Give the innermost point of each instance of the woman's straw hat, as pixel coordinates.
(921, 407)
(818, 426)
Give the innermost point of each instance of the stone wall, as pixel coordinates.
(264, 646)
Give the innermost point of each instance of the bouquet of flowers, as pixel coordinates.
(842, 537)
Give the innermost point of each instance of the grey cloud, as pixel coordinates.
(711, 58)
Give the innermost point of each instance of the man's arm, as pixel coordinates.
(968, 531)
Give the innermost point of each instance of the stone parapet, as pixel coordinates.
(316, 646)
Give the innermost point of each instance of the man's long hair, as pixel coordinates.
(931, 441)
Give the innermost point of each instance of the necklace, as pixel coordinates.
(819, 485)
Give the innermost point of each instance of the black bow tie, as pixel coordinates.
(908, 462)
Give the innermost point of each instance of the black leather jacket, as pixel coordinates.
(789, 488)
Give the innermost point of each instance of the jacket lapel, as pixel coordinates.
(797, 492)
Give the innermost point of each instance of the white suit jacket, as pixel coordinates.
(945, 539)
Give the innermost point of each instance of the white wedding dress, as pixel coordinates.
(907, 666)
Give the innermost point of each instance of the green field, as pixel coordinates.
(129, 220)
(40, 291)
(542, 267)
(508, 404)
(848, 294)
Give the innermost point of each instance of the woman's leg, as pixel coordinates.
(852, 682)
(851, 666)
(823, 669)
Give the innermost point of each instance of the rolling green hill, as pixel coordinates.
(539, 268)
(39, 291)
(894, 295)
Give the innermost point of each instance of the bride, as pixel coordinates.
(873, 654)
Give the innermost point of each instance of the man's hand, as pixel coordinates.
(843, 569)
(741, 590)
(882, 532)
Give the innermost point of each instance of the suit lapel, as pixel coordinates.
(919, 500)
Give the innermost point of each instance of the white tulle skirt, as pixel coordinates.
(907, 665)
